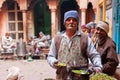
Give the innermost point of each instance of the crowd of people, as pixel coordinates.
(91, 48)
(8, 44)
(104, 45)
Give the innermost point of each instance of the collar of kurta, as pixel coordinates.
(78, 33)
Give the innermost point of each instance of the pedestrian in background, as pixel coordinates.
(84, 29)
(91, 27)
(41, 42)
(74, 48)
(7, 42)
(92, 31)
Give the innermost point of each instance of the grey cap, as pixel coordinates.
(103, 26)
(90, 24)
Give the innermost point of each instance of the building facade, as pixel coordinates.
(26, 18)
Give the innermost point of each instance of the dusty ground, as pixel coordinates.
(35, 70)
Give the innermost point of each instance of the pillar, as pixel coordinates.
(53, 6)
(24, 24)
(53, 12)
(83, 16)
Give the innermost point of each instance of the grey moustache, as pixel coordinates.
(71, 25)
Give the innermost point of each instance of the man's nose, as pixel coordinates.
(71, 20)
(97, 31)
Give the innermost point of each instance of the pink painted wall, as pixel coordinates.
(3, 21)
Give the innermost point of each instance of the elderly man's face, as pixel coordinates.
(100, 33)
(71, 24)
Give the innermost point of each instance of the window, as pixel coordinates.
(101, 12)
(15, 20)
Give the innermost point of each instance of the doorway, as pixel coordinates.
(66, 5)
(42, 18)
(116, 24)
(90, 14)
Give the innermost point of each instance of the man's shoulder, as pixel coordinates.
(57, 38)
(110, 41)
(84, 36)
(4, 37)
(58, 35)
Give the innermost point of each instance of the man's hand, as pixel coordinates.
(97, 70)
(55, 64)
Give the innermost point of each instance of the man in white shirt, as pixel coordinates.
(7, 42)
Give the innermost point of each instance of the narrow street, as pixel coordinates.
(34, 70)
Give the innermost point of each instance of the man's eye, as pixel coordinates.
(68, 19)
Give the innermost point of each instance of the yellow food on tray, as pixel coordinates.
(61, 64)
(80, 72)
(101, 76)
